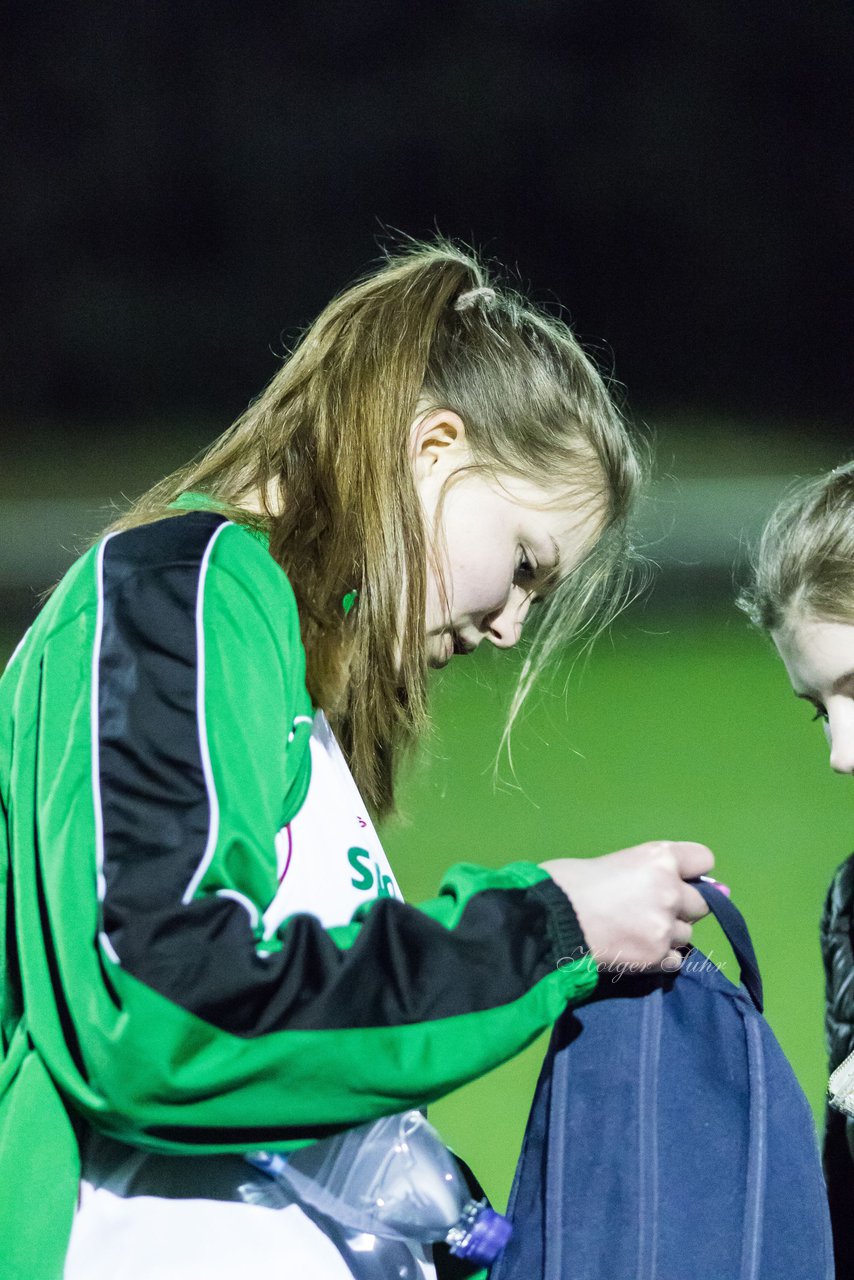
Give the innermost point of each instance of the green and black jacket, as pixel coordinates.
(154, 729)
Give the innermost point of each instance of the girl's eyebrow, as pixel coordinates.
(842, 684)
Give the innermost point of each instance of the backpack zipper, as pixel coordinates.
(648, 1068)
(757, 1151)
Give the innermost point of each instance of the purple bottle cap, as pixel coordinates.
(489, 1233)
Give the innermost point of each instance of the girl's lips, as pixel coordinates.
(461, 646)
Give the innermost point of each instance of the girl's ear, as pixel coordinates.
(437, 437)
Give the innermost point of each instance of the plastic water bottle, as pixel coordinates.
(389, 1182)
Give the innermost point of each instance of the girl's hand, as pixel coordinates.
(634, 906)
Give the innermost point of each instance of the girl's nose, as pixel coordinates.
(842, 756)
(841, 735)
(505, 627)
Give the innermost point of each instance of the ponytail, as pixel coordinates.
(352, 516)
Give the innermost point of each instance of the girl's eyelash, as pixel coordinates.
(820, 713)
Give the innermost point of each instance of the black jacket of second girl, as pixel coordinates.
(837, 949)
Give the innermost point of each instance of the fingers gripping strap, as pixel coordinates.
(732, 922)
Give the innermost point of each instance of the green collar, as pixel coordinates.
(192, 501)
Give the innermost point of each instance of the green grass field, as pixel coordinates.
(678, 728)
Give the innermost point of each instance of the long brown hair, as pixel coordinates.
(326, 448)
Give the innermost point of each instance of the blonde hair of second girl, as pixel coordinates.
(329, 437)
(805, 559)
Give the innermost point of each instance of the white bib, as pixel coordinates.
(330, 857)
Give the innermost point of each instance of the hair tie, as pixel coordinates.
(483, 293)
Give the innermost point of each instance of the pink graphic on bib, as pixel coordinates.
(284, 870)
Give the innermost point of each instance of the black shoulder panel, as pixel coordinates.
(154, 800)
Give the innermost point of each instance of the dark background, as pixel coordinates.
(188, 183)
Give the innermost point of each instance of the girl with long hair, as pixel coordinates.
(205, 949)
(802, 594)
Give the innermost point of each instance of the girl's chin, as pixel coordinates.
(440, 649)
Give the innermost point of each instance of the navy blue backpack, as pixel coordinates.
(669, 1139)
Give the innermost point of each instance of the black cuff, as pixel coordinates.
(564, 930)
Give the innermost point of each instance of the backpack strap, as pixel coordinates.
(737, 935)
